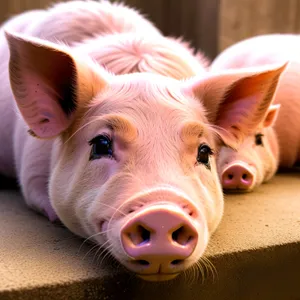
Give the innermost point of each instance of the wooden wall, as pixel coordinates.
(10, 7)
(196, 20)
(240, 19)
(190, 18)
(211, 25)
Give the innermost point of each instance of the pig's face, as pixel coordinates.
(133, 163)
(141, 145)
(254, 162)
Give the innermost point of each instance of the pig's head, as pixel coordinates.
(133, 163)
(253, 162)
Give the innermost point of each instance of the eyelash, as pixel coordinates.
(104, 150)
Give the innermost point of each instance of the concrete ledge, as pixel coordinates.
(256, 253)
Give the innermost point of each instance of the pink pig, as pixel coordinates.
(125, 160)
(275, 142)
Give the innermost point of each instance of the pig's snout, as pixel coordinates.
(158, 239)
(238, 176)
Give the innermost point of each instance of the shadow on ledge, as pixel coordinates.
(256, 254)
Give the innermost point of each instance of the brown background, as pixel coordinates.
(211, 25)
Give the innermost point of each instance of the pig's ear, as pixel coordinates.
(236, 101)
(271, 116)
(48, 83)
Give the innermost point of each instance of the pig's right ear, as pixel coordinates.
(236, 101)
(271, 116)
(49, 84)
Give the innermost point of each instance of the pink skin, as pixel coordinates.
(254, 161)
(281, 138)
(160, 172)
(238, 175)
(154, 173)
(118, 32)
(159, 238)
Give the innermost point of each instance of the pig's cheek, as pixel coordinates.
(270, 165)
(111, 168)
(224, 156)
(72, 202)
(114, 241)
(217, 200)
(256, 161)
(209, 192)
(101, 171)
(253, 157)
(83, 215)
(261, 161)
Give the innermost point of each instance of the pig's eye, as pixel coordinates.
(204, 152)
(258, 139)
(101, 147)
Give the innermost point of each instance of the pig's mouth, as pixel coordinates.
(158, 276)
(237, 190)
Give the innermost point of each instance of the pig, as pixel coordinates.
(127, 160)
(275, 143)
(119, 30)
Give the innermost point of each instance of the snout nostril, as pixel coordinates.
(142, 262)
(145, 234)
(177, 261)
(189, 210)
(230, 176)
(139, 235)
(245, 176)
(103, 226)
(134, 208)
(181, 236)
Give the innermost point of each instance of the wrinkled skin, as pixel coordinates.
(281, 132)
(161, 137)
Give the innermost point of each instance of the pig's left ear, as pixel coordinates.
(49, 84)
(236, 101)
